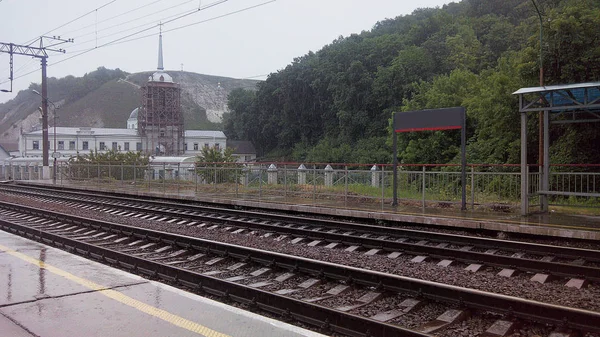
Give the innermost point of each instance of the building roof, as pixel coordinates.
(10, 147)
(171, 160)
(60, 130)
(161, 76)
(134, 113)
(241, 146)
(204, 134)
(556, 87)
(571, 98)
(87, 131)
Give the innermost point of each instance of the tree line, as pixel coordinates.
(336, 104)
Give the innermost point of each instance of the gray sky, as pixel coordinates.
(247, 44)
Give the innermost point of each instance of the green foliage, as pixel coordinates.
(571, 49)
(239, 123)
(81, 86)
(110, 165)
(215, 166)
(495, 137)
(64, 92)
(335, 105)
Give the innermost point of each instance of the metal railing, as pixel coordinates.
(494, 187)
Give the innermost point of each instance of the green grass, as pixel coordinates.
(360, 193)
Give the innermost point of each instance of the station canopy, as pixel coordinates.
(580, 103)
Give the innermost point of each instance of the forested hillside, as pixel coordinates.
(335, 104)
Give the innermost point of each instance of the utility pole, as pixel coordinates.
(543, 141)
(41, 53)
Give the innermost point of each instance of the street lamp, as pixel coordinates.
(55, 154)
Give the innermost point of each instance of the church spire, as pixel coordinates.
(160, 56)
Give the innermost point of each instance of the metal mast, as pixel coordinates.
(41, 53)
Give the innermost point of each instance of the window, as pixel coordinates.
(185, 146)
(138, 146)
(126, 146)
(102, 146)
(205, 144)
(195, 146)
(162, 133)
(71, 145)
(61, 145)
(36, 144)
(114, 146)
(217, 146)
(85, 145)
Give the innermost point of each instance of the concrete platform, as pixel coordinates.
(48, 292)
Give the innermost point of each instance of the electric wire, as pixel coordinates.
(120, 40)
(139, 18)
(77, 18)
(108, 43)
(63, 25)
(112, 17)
(143, 30)
(131, 28)
(164, 20)
(116, 42)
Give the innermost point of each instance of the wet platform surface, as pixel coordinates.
(48, 292)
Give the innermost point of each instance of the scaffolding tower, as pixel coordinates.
(160, 120)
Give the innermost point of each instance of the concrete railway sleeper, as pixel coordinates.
(370, 284)
(217, 213)
(476, 251)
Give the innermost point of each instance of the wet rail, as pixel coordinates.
(196, 264)
(574, 264)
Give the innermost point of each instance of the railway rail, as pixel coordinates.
(243, 274)
(544, 260)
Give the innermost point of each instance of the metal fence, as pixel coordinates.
(490, 187)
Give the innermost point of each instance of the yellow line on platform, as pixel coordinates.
(120, 297)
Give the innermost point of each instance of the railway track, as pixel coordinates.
(333, 297)
(576, 266)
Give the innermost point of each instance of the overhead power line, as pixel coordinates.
(112, 17)
(48, 32)
(88, 50)
(77, 18)
(135, 27)
(145, 29)
(118, 41)
(121, 39)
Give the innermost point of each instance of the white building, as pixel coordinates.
(70, 141)
(67, 142)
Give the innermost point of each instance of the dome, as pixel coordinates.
(134, 114)
(161, 76)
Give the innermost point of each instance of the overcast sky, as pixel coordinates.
(248, 44)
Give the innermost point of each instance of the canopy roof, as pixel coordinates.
(171, 160)
(581, 101)
(557, 87)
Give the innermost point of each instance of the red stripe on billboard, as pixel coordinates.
(451, 127)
